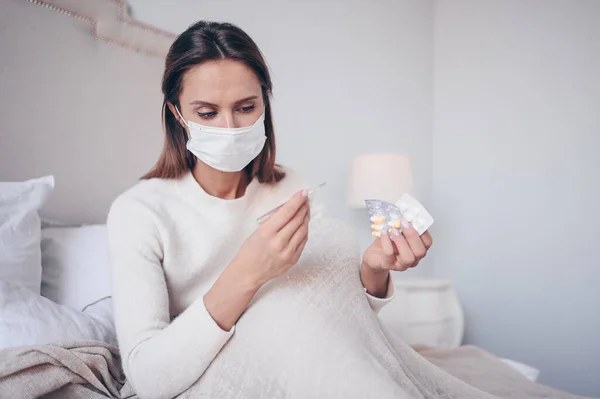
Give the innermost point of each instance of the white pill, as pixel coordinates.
(403, 207)
(411, 214)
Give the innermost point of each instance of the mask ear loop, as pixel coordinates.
(181, 116)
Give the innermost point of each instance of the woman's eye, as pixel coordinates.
(248, 108)
(206, 115)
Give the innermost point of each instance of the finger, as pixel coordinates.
(284, 214)
(286, 233)
(414, 241)
(427, 240)
(405, 257)
(294, 252)
(299, 249)
(386, 245)
(300, 234)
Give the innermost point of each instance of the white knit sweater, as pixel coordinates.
(169, 241)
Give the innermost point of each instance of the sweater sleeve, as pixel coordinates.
(161, 358)
(378, 303)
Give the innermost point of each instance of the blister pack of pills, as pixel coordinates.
(385, 216)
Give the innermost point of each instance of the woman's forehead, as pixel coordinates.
(219, 82)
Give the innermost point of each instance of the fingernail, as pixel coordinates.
(395, 232)
(305, 193)
(405, 223)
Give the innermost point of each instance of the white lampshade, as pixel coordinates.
(380, 176)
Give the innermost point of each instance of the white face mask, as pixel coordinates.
(226, 149)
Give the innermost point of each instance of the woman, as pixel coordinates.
(188, 255)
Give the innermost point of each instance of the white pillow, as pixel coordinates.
(20, 256)
(75, 265)
(30, 319)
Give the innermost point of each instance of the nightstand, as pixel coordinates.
(425, 312)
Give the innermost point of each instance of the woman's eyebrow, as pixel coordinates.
(207, 104)
(204, 103)
(243, 100)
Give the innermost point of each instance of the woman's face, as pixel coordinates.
(223, 93)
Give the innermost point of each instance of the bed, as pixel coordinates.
(56, 329)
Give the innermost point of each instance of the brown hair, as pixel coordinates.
(204, 41)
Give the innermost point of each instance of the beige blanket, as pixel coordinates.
(91, 370)
(83, 369)
(309, 334)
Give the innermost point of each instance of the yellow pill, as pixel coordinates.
(395, 224)
(376, 233)
(377, 226)
(377, 219)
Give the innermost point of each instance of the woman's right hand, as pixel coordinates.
(278, 242)
(269, 252)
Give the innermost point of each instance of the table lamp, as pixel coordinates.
(380, 176)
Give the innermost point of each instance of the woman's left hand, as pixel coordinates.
(398, 250)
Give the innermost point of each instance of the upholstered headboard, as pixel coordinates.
(80, 99)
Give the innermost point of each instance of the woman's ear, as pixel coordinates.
(176, 114)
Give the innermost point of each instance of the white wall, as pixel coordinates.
(516, 179)
(85, 111)
(349, 78)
